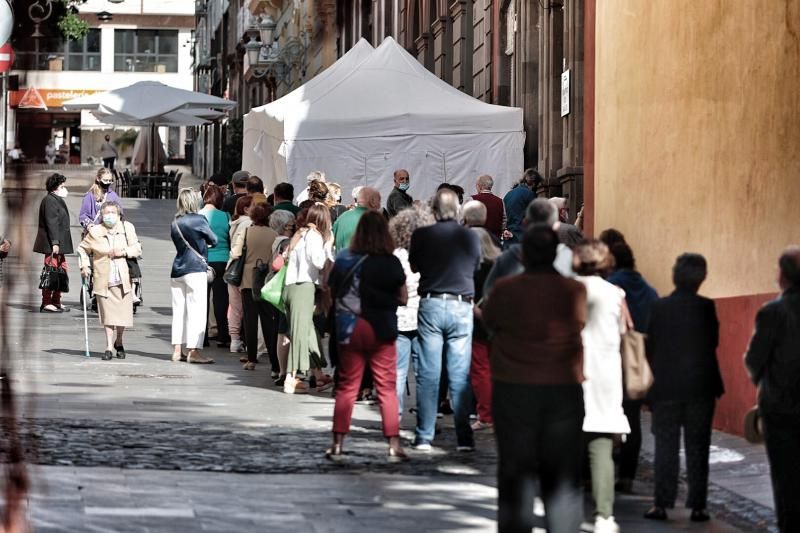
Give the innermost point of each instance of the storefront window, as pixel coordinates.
(146, 50)
(56, 53)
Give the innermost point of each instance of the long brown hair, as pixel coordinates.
(320, 216)
(372, 235)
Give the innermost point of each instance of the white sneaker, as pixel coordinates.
(605, 525)
(237, 346)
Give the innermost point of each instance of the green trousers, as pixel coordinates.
(601, 462)
(304, 351)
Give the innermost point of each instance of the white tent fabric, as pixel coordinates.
(146, 100)
(263, 126)
(389, 112)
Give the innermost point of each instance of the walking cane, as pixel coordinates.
(85, 296)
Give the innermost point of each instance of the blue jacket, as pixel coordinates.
(198, 234)
(639, 295)
(516, 201)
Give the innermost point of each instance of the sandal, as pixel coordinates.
(397, 455)
(249, 366)
(334, 453)
(180, 358)
(324, 383)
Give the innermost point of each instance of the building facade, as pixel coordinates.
(135, 41)
(697, 151)
(304, 40)
(506, 52)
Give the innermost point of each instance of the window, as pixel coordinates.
(59, 54)
(146, 50)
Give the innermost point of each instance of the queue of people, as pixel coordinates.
(428, 293)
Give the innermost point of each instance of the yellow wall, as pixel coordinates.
(697, 134)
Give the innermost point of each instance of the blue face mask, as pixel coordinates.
(403, 186)
(110, 220)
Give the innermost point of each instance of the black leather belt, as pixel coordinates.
(447, 296)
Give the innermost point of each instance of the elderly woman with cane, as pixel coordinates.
(109, 245)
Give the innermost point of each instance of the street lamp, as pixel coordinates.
(267, 57)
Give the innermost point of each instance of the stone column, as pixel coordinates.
(442, 46)
(461, 14)
(570, 174)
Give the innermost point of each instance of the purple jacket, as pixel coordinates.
(89, 208)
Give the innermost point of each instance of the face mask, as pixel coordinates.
(104, 186)
(62, 192)
(403, 186)
(110, 220)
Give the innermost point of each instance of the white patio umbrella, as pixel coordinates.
(146, 100)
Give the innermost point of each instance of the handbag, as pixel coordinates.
(134, 270)
(54, 278)
(235, 271)
(272, 291)
(210, 272)
(636, 373)
(260, 274)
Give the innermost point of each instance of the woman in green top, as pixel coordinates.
(218, 255)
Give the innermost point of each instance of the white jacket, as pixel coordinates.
(602, 363)
(308, 258)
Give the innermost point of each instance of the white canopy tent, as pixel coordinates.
(263, 126)
(374, 115)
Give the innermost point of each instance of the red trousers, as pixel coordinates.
(381, 356)
(480, 377)
(53, 297)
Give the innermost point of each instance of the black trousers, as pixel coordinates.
(695, 418)
(108, 162)
(539, 444)
(220, 290)
(782, 437)
(629, 451)
(255, 312)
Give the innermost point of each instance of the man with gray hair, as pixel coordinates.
(315, 175)
(495, 210)
(773, 361)
(368, 199)
(446, 256)
(473, 213)
(540, 211)
(399, 199)
(568, 233)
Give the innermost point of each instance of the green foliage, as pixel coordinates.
(126, 139)
(73, 27)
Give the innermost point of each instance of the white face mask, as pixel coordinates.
(62, 192)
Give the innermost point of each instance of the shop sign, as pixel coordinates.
(35, 98)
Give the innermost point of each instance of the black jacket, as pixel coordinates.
(682, 340)
(53, 226)
(773, 357)
(397, 201)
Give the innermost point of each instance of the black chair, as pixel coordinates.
(137, 186)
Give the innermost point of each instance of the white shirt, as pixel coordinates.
(602, 363)
(308, 258)
(407, 314)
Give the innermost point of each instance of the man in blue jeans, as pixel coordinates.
(446, 256)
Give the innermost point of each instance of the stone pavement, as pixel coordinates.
(145, 444)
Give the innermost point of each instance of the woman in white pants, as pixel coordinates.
(192, 236)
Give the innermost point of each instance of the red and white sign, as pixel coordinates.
(6, 57)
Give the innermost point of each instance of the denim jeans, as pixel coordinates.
(443, 326)
(407, 344)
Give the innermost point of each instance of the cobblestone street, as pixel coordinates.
(145, 444)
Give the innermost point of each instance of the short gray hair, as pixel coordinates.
(541, 211)
(369, 197)
(474, 213)
(485, 182)
(445, 205)
(316, 175)
(278, 220)
(111, 203)
(188, 200)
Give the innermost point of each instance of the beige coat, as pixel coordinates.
(98, 246)
(259, 246)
